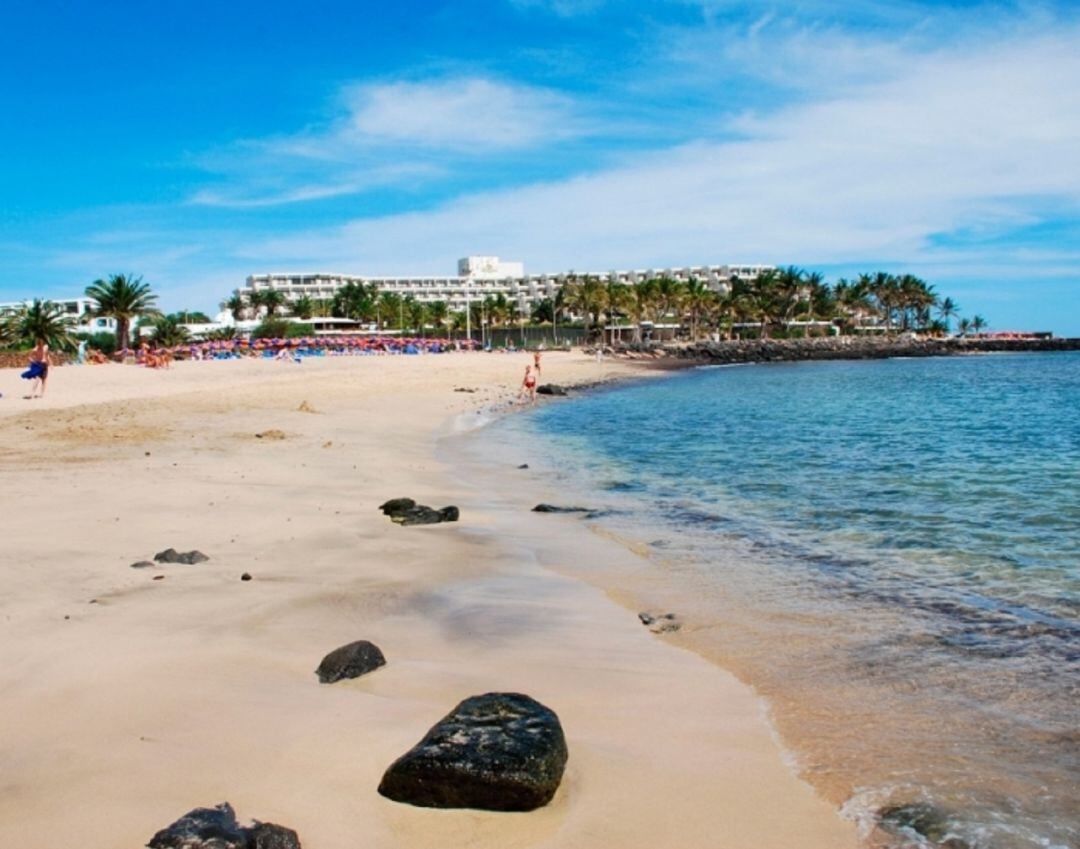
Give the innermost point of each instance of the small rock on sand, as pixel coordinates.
(660, 623)
(141, 564)
(305, 407)
(350, 661)
(189, 558)
(554, 508)
(273, 433)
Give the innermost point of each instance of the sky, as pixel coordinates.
(195, 143)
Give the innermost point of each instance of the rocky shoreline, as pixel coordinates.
(834, 348)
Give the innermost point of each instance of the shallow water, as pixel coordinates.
(889, 551)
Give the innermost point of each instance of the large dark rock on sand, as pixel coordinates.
(405, 511)
(217, 828)
(927, 821)
(551, 389)
(496, 752)
(555, 508)
(350, 661)
(171, 555)
(267, 835)
(397, 505)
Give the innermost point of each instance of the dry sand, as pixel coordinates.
(127, 701)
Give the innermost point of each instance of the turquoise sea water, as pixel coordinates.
(889, 551)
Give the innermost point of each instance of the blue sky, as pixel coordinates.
(196, 143)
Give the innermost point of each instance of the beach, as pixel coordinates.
(128, 701)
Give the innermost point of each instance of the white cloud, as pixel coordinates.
(396, 133)
(463, 114)
(952, 141)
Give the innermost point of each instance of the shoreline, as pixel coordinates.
(831, 348)
(155, 697)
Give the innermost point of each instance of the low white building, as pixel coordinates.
(480, 276)
(79, 311)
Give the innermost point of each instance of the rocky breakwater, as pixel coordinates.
(841, 348)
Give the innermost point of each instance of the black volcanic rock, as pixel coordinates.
(217, 828)
(397, 505)
(405, 511)
(551, 389)
(496, 752)
(928, 821)
(350, 661)
(171, 555)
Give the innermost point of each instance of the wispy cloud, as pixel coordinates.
(393, 133)
(876, 174)
(465, 115)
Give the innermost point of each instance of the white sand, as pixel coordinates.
(155, 697)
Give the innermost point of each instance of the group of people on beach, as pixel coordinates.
(38, 370)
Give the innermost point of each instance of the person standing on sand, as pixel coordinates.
(39, 369)
(528, 385)
(536, 361)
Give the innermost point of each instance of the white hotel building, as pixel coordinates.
(480, 276)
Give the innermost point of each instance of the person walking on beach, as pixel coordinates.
(536, 361)
(38, 372)
(528, 385)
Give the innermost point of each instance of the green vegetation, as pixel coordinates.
(784, 302)
(168, 332)
(125, 298)
(40, 320)
(276, 327)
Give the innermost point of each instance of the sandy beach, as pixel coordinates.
(131, 696)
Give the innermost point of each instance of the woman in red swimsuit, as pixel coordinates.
(528, 385)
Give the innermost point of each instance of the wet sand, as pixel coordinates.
(128, 700)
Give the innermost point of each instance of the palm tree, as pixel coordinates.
(303, 307)
(388, 309)
(271, 300)
(697, 298)
(417, 312)
(44, 321)
(438, 315)
(640, 300)
(964, 327)
(947, 308)
(236, 305)
(587, 297)
(124, 298)
(168, 332)
(669, 296)
(978, 324)
(853, 300)
(355, 301)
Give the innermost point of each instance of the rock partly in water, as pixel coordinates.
(496, 752)
(350, 661)
(217, 828)
(660, 623)
(551, 389)
(554, 508)
(923, 819)
(171, 555)
(523, 466)
(405, 511)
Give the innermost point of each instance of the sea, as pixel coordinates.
(888, 551)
